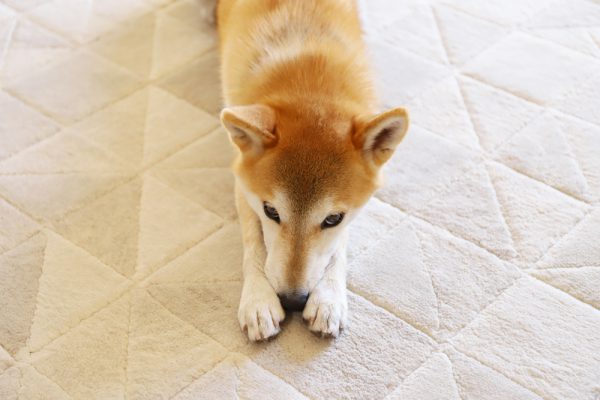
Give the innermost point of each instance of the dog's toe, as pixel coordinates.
(325, 318)
(260, 320)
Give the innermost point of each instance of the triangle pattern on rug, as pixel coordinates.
(536, 214)
(583, 137)
(191, 41)
(165, 214)
(35, 386)
(15, 226)
(62, 153)
(95, 350)
(466, 277)
(145, 46)
(146, 126)
(582, 283)
(423, 165)
(138, 34)
(464, 35)
(578, 39)
(172, 123)
(73, 285)
(579, 13)
(211, 151)
(156, 332)
(212, 188)
(202, 304)
(579, 248)
(55, 175)
(433, 380)
(51, 196)
(30, 47)
(470, 210)
(112, 218)
(445, 102)
(119, 128)
(542, 151)
(20, 270)
(418, 73)
(392, 275)
(218, 258)
(495, 114)
(414, 31)
(237, 377)
(478, 381)
(31, 125)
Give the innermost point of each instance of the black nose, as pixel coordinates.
(293, 301)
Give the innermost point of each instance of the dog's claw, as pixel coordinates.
(325, 317)
(260, 317)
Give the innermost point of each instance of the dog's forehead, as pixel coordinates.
(309, 176)
(310, 171)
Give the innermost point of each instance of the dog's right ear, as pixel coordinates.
(251, 127)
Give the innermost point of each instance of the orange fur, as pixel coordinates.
(302, 109)
(306, 60)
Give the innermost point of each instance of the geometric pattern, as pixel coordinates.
(152, 37)
(31, 125)
(67, 83)
(27, 47)
(518, 314)
(473, 272)
(145, 127)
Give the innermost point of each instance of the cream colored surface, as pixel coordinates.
(474, 273)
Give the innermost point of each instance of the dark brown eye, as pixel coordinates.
(271, 212)
(332, 220)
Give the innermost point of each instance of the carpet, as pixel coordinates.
(474, 273)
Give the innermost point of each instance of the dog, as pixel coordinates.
(301, 108)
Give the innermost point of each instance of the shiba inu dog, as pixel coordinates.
(302, 110)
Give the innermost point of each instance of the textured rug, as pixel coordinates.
(474, 273)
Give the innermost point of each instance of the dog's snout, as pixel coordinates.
(293, 301)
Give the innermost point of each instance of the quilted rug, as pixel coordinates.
(474, 272)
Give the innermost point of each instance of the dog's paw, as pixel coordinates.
(260, 315)
(326, 315)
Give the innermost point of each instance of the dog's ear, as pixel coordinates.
(250, 127)
(378, 135)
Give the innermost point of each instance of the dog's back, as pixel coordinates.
(308, 53)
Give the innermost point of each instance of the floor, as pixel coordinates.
(474, 273)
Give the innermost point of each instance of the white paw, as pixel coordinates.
(326, 314)
(260, 313)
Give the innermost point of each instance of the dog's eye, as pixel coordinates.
(271, 212)
(332, 220)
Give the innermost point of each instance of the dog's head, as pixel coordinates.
(306, 179)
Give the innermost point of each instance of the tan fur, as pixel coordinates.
(317, 43)
(316, 93)
(303, 62)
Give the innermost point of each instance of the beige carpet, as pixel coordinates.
(474, 274)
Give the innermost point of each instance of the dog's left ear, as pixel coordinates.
(250, 127)
(377, 136)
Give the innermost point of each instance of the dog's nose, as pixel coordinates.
(293, 301)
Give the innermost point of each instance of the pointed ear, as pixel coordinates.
(250, 127)
(377, 136)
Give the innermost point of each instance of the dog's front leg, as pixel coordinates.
(260, 311)
(327, 307)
